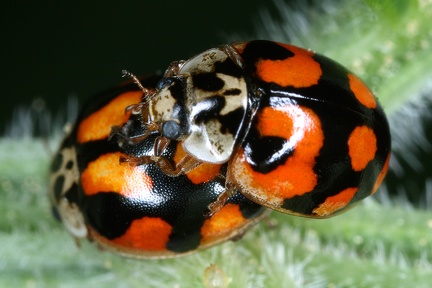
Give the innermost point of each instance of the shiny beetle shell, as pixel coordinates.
(137, 210)
(299, 132)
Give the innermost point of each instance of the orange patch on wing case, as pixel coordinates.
(201, 174)
(336, 202)
(298, 71)
(147, 233)
(362, 92)
(223, 223)
(302, 128)
(362, 146)
(98, 125)
(106, 174)
(381, 175)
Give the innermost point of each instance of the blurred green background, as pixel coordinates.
(54, 49)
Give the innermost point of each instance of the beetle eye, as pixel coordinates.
(164, 83)
(171, 130)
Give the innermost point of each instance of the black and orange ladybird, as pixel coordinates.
(139, 211)
(299, 133)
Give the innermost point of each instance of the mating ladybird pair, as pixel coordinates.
(202, 149)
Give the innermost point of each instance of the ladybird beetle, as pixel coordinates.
(299, 133)
(138, 211)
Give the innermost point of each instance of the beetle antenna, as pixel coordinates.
(136, 81)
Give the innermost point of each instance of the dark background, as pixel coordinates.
(54, 49)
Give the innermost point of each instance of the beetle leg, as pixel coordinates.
(174, 68)
(214, 207)
(122, 134)
(160, 144)
(186, 164)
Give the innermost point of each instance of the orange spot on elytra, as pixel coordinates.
(302, 128)
(336, 202)
(98, 125)
(147, 233)
(201, 174)
(223, 223)
(298, 71)
(362, 92)
(106, 174)
(381, 175)
(362, 146)
(273, 122)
